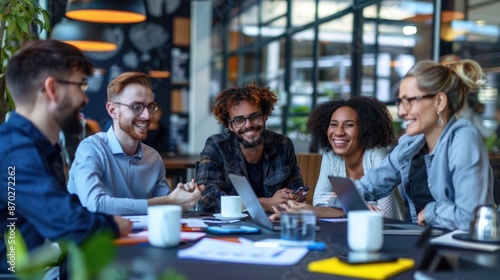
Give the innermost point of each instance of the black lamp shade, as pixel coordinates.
(106, 11)
(86, 36)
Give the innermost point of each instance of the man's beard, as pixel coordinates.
(253, 143)
(71, 123)
(128, 128)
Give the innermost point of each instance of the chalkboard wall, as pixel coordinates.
(143, 47)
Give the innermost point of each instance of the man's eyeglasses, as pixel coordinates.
(240, 121)
(83, 85)
(138, 108)
(406, 102)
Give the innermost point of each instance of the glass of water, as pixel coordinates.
(299, 226)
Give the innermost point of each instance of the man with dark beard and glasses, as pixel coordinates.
(266, 158)
(114, 172)
(46, 80)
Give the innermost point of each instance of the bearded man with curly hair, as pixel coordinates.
(247, 148)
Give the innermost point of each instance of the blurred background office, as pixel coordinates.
(307, 51)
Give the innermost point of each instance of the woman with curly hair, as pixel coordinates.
(247, 148)
(355, 135)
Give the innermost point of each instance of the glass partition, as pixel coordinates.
(329, 7)
(334, 63)
(249, 25)
(303, 12)
(272, 74)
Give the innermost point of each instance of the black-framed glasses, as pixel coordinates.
(83, 85)
(406, 102)
(138, 108)
(240, 121)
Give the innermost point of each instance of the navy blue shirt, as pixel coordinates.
(33, 196)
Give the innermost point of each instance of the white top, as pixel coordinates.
(332, 164)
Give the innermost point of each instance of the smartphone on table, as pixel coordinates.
(232, 229)
(365, 257)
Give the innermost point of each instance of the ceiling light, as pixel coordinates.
(107, 11)
(409, 30)
(90, 37)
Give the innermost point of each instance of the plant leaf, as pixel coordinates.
(77, 263)
(22, 24)
(98, 251)
(46, 20)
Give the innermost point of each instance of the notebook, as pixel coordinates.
(370, 271)
(252, 203)
(351, 200)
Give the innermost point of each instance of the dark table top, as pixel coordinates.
(147, 260)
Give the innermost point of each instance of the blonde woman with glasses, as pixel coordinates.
(441, 162)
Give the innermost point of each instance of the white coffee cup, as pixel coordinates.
(231, 206)
(164, 225)
(364, 230)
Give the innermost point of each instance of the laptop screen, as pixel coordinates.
(252, 203)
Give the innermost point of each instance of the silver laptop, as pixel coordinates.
(252, 203)
(351, 200)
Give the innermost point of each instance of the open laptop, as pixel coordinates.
(351, 200)
(252, 203)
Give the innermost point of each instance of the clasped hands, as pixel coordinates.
(187, 195)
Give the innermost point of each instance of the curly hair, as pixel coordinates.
(375, 122)
(253, 94)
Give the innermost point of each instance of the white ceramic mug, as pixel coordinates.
(164, 225)
(364, 230)
(230, 206)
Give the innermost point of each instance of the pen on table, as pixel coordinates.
(192, 229)
(277, 253)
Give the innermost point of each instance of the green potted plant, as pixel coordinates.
(20, 21)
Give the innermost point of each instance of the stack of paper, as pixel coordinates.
(217, 250)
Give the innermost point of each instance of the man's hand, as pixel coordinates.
(124, 225)
(280, 197)
(289, 207)
(185, 195)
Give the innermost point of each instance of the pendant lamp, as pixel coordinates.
(106, 11)
(89, 37)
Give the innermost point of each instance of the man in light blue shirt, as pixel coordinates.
(113, 172)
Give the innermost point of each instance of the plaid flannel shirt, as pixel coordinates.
(222, 155)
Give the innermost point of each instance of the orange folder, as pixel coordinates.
(142, 237)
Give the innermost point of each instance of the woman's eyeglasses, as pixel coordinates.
(406, 101)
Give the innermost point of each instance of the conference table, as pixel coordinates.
(147, 262)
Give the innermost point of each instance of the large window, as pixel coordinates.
(309, 51)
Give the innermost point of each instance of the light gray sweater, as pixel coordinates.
(392, 205)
